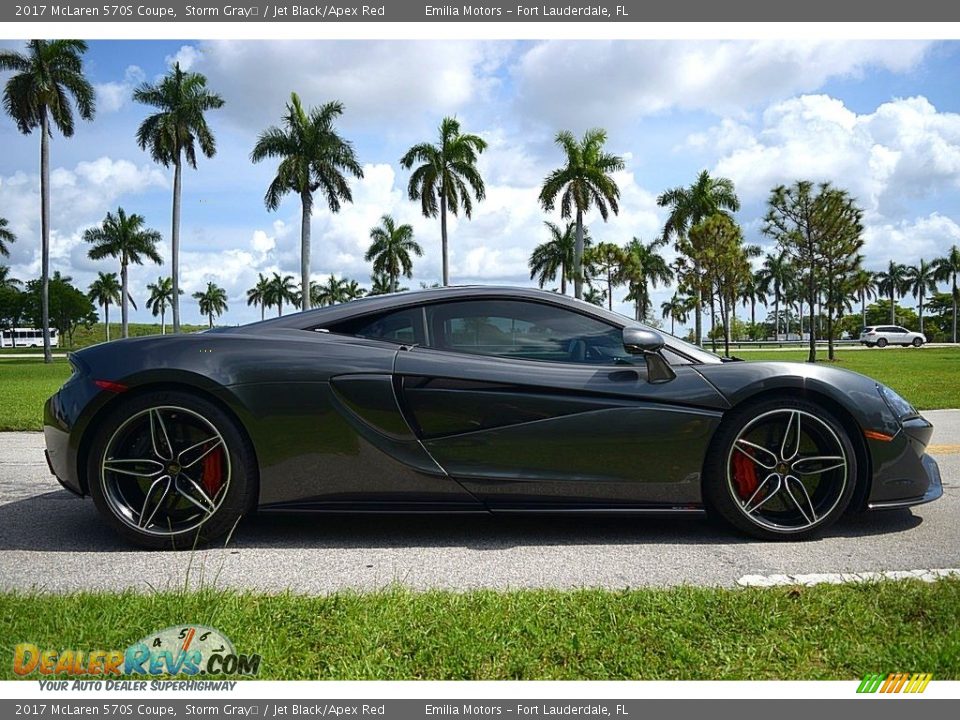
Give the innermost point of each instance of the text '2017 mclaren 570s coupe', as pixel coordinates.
(492, 400)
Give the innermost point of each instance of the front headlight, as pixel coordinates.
(900, 407)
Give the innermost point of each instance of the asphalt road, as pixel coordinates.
(52, 541)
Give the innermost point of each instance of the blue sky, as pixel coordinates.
(879, 118)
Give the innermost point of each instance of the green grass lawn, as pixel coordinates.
(928, 378)
(823, 632)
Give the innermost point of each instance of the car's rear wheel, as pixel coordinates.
(783, 469)
(917, 342)
(171, 470)
(882, 343)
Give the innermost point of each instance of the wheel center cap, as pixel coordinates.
(783, 468)
(173, 468)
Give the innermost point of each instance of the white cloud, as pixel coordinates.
(111, 96)
(909, 241)
(382, 84)
(904, 149)
(188, 56)
(583, 84)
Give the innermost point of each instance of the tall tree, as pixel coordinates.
(815, 225)
(862, 284)
(382, 284)
(715, 245)
(606, 260)
(921, 280)
(212, 301)
(948, 268)
(584, 181)
(282, 290)
(676, 308)
(892, 282)
(752, 292)
(390, 250)
(642, 267)
(333, 291)
(124, 236)
(260, 295)
(173, 134)
(38, 97)
(160, 298)
(775, 276)
(353, 291)
(104, 291)
(690, 206)
(6, 237)
(69, 306)
(6, 281)
(446, 178)
(555, 256)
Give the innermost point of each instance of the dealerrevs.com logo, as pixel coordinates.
(894, 683)
(179, 650)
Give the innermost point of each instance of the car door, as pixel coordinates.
(529, 404)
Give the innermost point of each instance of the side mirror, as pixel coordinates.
(638, 340)
(641, 341)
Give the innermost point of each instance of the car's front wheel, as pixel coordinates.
(917, 342)
(882, 343)
(783, 469)
(170, 470)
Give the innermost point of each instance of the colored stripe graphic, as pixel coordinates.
(894, 683)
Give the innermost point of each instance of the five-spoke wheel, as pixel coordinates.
(784, 469)
(170, 469)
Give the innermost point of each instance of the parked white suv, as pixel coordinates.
(883, 335)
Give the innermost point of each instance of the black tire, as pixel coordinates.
(917, 342)
(241, 487)
(719, 495)
(882, 343)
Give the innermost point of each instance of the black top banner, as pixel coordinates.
(497, 11)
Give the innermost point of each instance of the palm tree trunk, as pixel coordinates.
(443, 236)
(921, 311)
(563, 278)
(813, 302)
(210, 319)
(697, 306)
(893, 313)
(175, 241)
(45, 233)
(578, 259)
(163, 320)
(106, 318)
(263, 311)
(609, 290)
(863, 306)
(713, 322)
(776, 314)
(954, 308)
(672, 324)
(306, 202)
(124, 297)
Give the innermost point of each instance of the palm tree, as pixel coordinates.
(173, 134)
(6, 281)
(47, 75)
(776, 276)
(6, 237)
(331, 293)
(446, 178)
(390, 250)
(556, 255)
(212, 301)
(353, 291)
(282, 290)
(644, 266)
(920, 280)
(752, 292)
(104, 290)
(948, 268)
(259, 294)
(689, 206)
(892, 282)
(382, 284)
(677, 309)
(583, 182)
(123, 236)
(862, 283)
(313, 156)
(161, 297)
(594, 296)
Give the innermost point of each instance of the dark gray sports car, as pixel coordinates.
(501, 400)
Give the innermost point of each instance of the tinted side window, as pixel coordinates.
(524, 330)
(401, 326)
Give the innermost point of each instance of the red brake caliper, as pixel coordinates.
(212, 472)
(745, 475)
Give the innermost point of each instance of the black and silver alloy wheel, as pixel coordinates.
(165, 470)
(169, 469)
(787, 470)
